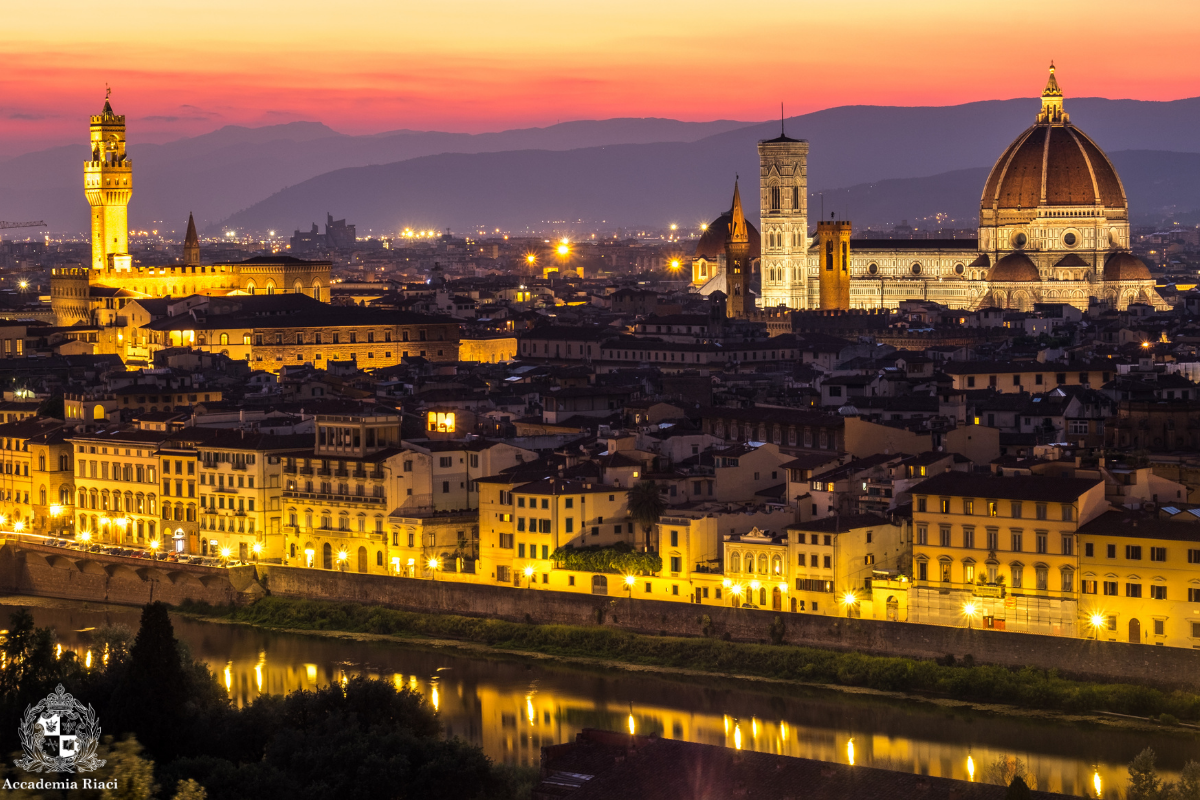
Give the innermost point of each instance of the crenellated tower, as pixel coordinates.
(108, 184)
(833, 237)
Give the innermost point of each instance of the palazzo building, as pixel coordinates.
(1053, 228)
(96, 294)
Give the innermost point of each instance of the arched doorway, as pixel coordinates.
(893, 609)
(1135, 632)
(362, 559)
(599, 584)
(326, 556)
(776, 599)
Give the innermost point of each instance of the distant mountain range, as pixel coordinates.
(876, 165)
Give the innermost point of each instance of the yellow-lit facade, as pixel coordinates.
(992, 556)
(116, 483)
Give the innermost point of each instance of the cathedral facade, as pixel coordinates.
(1053, 228)
(94, 295)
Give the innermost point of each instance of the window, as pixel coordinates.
(446, 461)
(1041, 576)
(1133, 590)
(1068, 580)
(1089, 550)
(923, 536)
(1041, 542)
(945, 535)
(1068, 513)
(1193, 595)
(1016, 541)
(945, 506)
(968, 507)
(968, 537)
(1111, 551)
(1087, 587)
(676, 564)
(968, 573)
(945, 571)
(1040, 508)
(993, 508)
(1016, 509)
(1133, 552)
(922, 571)
(674, 538)
(993, 539)
(1068, 545)
(1158, 554)
(1159, 627)
(1158, 592)
(921, 504)
(1110, 588)
(1018, 576)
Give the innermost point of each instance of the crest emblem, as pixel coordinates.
(59, 735)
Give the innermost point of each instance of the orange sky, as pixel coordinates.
(181, 67)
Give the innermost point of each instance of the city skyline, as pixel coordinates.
(185, 74)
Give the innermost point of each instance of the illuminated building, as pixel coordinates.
(97, 294)
(1053, 228)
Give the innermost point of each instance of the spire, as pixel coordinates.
(782, 132)
(107, 112)
(191, 245)
(1052, 102)
(737, 218)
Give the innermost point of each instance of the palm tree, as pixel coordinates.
(646, 506)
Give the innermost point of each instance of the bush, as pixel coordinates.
(620, 558)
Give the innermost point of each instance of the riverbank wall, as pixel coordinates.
(54, 572)
(1165, 667)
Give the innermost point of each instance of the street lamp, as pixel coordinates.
(342, 556)
(849, 600)
(529, 575)
(433, 565)
(55, 512)
(1097, 621)
(629, 581)
(154, 549)
(970, 609)
(257, 548)
(225, 551)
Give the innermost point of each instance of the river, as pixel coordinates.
(512, 706)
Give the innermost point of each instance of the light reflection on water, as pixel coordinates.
(513, 707)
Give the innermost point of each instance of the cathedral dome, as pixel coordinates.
(1014, 268)
(1125, 267)
(1052, 163)
(712, 243)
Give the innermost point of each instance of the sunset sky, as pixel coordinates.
(365, 66)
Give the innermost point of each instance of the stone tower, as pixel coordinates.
(191, 245)
(737, 260)
(783, 186)
(108, 184)
(833, 237)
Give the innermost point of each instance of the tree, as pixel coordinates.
(1188, 787)
(1144, 783)
(646, 506)
(151, 696)
(134, 775)
(1017, 790)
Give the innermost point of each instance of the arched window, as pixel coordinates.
(362, 559)
(762, 564)
(735, 563)
(224, 338)
(327, 556)
(379, 558)
(776, 565)
(750, 563)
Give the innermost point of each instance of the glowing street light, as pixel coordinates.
(675, 263)
(1097, 621)
(18, 526)
(629, 581)
(256, 548)
(970, 609)
(529, 575)
(342, 558)
(970, 769)
(225, 551)
(55, 510)
(154, 543)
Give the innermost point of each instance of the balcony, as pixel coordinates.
(360, 474)
(324, 473)
(289, 470)
(329, 497)
(306, 470)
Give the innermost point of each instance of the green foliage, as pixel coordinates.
(1144, 783)
(189, 790)
(134, 775)
(619, 558)
(1029, 687)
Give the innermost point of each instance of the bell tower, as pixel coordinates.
(108, 184)
(737, 260)
(833, 237)
(783, 186)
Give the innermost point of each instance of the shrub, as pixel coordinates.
(619, 558)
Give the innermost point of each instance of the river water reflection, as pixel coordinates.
(513, 707)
